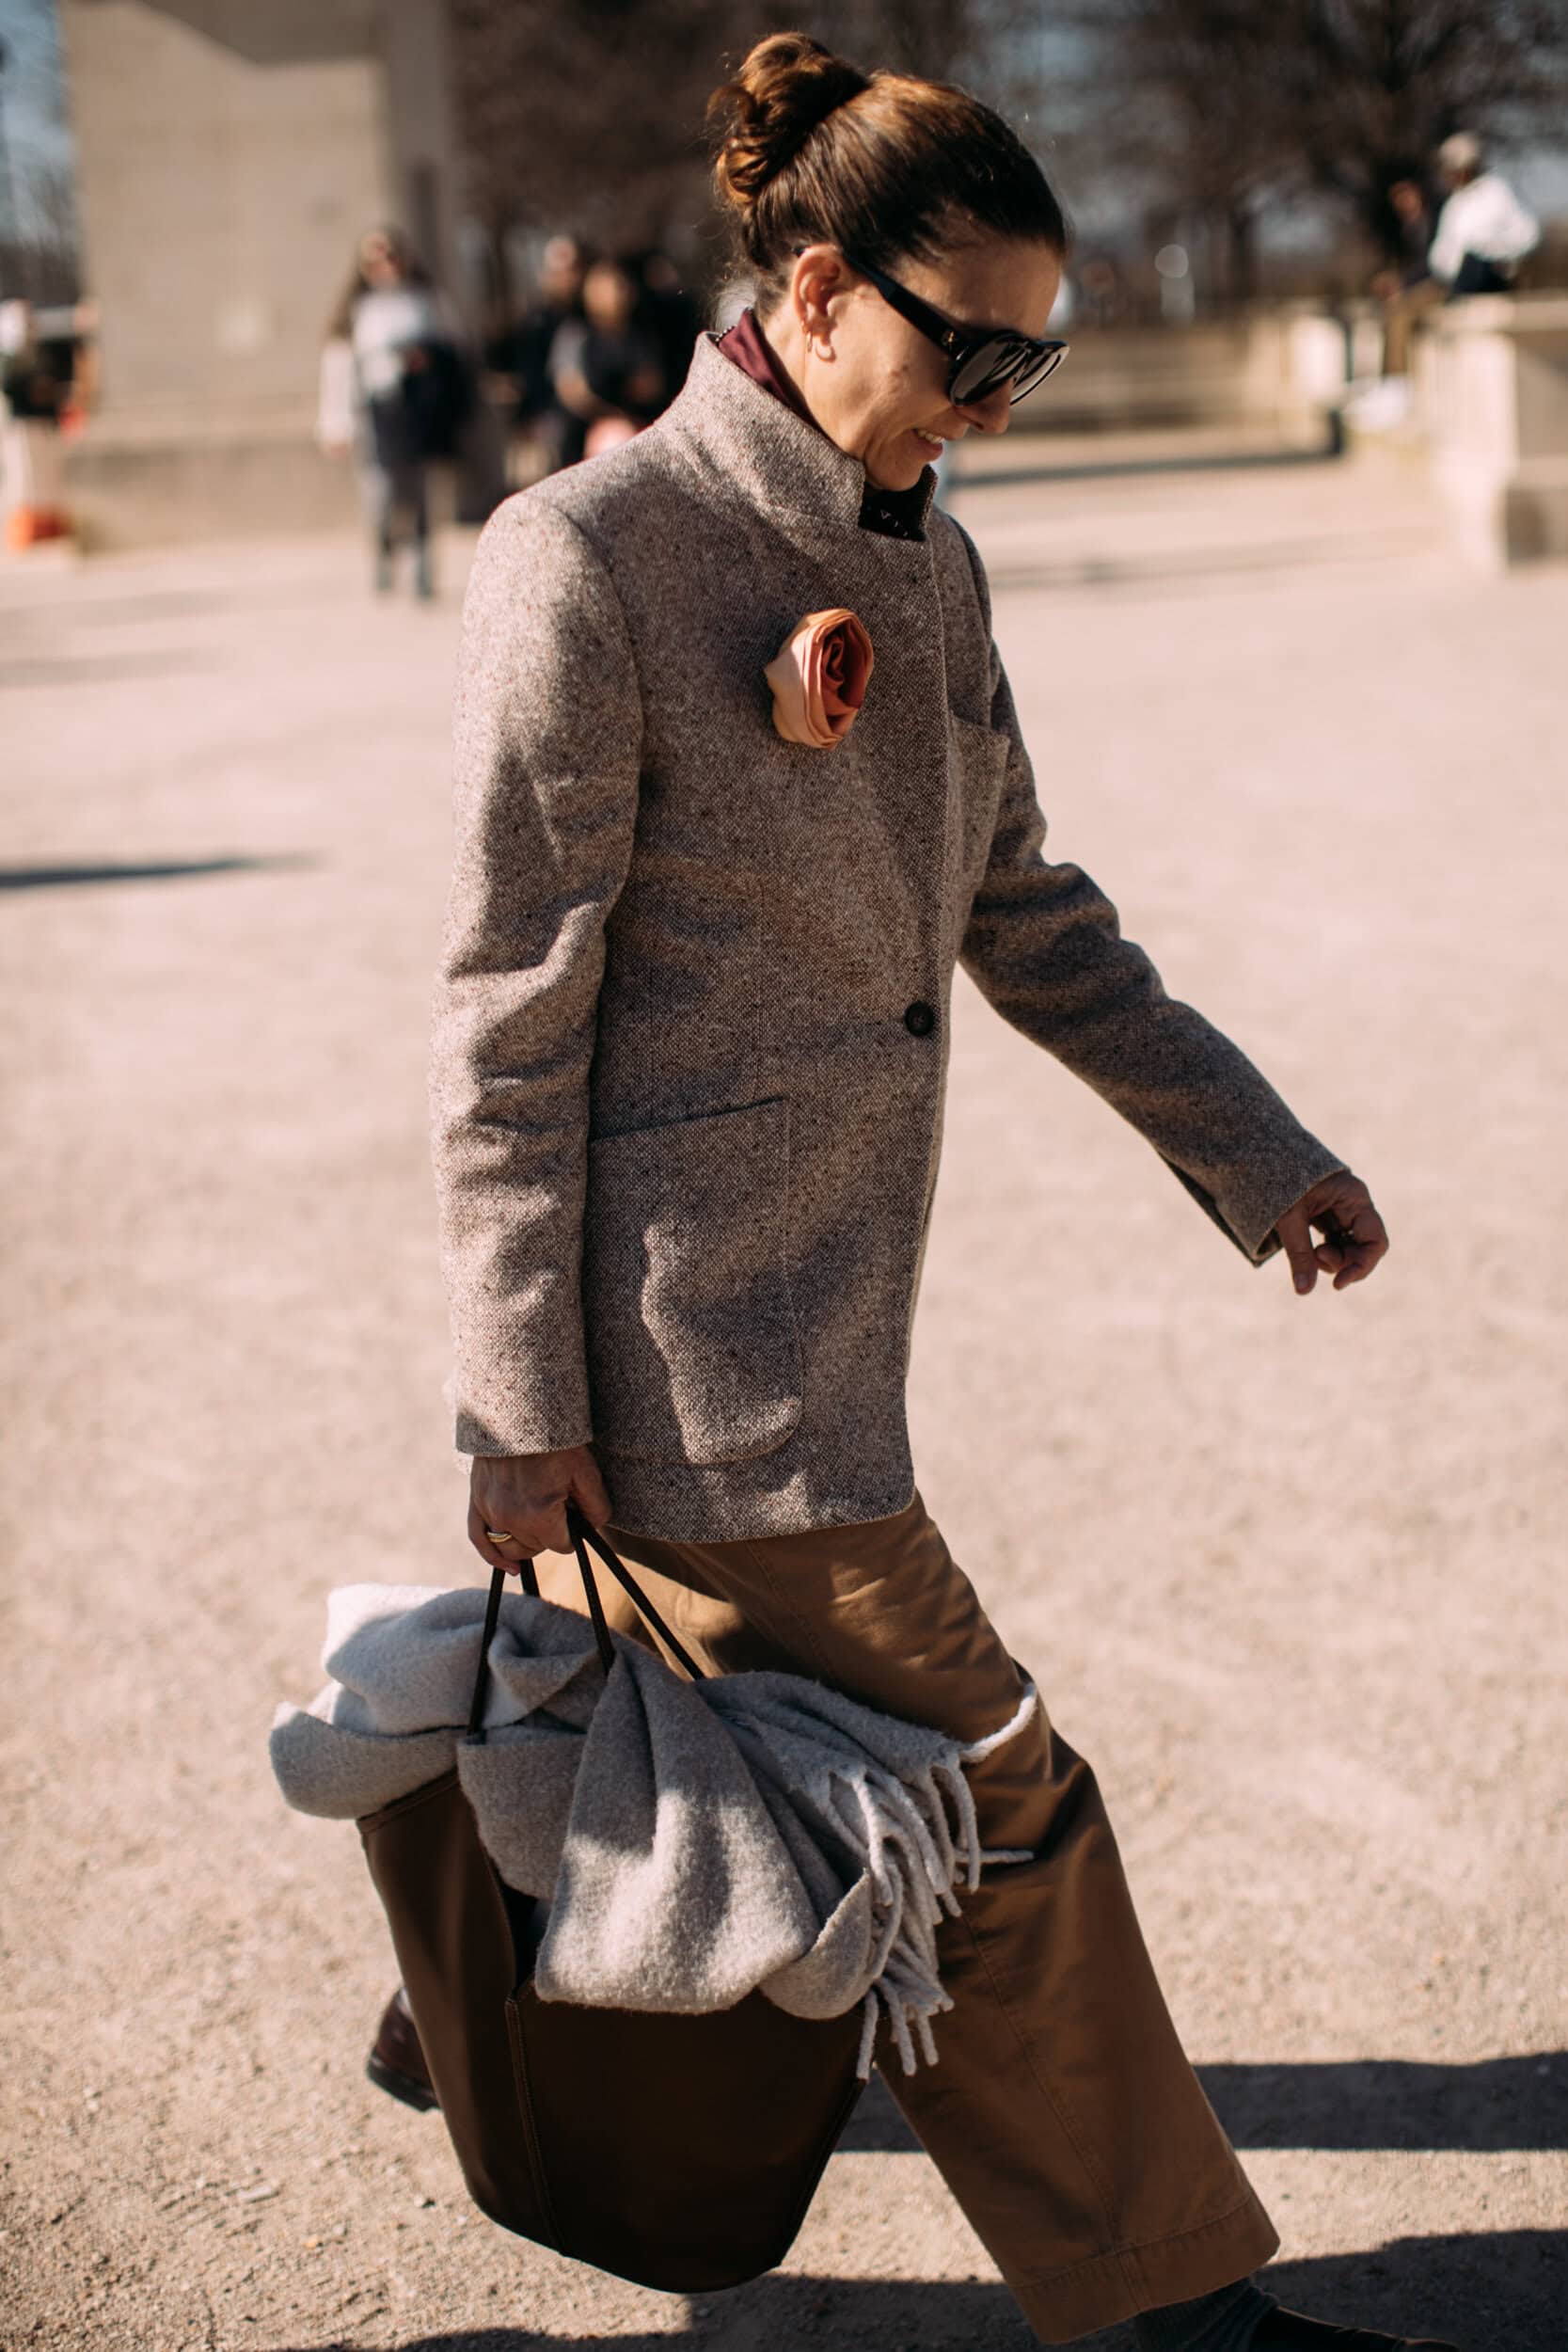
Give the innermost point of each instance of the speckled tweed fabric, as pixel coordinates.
(685, 1139)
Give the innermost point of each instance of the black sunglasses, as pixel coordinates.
(978, 363)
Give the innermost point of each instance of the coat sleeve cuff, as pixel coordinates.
(475, 1435)
(487, 1420)
(1255, 1234)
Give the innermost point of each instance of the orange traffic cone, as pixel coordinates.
(27, 526)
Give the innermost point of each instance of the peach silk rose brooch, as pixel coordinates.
(818, 677)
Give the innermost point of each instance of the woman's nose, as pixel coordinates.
(990, 415)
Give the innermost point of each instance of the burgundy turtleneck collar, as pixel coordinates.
(896, 513)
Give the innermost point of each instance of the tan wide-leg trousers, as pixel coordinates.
(1063, 2114)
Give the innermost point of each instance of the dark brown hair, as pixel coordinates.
(413, 274)
(810, 149)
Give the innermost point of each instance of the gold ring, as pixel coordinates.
(498, 1535)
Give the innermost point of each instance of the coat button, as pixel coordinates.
(920, 1018)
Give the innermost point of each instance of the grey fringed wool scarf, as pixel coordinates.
(694, 1841)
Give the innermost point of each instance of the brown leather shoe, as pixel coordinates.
(397, 2062)
(1293, 2332)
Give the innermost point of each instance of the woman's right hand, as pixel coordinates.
(527, 1494)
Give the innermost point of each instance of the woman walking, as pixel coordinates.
(740, 781)
(392, 392)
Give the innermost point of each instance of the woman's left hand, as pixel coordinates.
(1354, 1235)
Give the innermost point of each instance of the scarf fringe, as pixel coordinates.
(917, 1840)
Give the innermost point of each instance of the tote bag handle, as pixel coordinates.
(584, 1538)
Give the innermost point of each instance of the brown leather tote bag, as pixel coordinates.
(678, 2151)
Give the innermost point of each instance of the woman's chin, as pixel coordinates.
(901, 468)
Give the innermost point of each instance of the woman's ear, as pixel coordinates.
(819, 280)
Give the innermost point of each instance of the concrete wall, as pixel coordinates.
(230, 154)
(421, 131)
(221, 195)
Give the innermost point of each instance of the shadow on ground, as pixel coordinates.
(1483, 2290)
(1496, 2104)
(1047, 469)
(1179, 567)
(94, 669)
(97, 610)
(164, 869)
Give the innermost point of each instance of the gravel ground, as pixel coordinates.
(1309, 1621)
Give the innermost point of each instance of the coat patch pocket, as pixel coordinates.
(981, 768)
(692, 1350)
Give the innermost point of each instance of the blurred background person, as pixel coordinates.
(396, 391)
(731, 299)
(605, 367)
(37, 391)
(1101, 294)
(669, 316)
(1483, 231)
(521, 354)
(1405, 286)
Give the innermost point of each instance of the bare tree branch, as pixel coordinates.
(591, 117)
(1233, 109)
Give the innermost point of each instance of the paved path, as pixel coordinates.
(1290, 1572)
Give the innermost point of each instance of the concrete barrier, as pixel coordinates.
(145, 482)
(1491, 407)
(1282, 368)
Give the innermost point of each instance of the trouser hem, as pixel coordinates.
(1117, 2285)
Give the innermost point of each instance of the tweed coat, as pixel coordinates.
(690, 1028)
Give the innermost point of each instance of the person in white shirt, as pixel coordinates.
(1483, 231)
(389, 326)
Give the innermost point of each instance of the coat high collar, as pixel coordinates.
(734, 428)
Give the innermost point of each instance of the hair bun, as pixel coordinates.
(764, 117)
